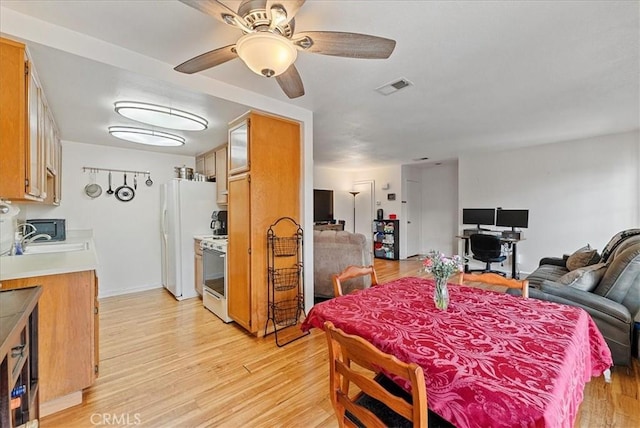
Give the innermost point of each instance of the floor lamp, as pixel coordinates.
(354, 209)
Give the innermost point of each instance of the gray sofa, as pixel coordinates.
(613, 299)
(333, 251)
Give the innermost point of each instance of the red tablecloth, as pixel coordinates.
(490, 360)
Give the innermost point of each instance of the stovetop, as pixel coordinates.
(214, 242)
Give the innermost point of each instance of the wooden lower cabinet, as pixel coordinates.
(68, 332)
(198, 266)
(239, 299)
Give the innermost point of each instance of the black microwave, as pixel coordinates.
(54, 227)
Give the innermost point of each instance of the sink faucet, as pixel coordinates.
(28, 240)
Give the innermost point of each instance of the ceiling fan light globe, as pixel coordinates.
(265, 51)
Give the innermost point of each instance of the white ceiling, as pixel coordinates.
(486, 74)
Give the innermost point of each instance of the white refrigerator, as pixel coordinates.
(186, 211)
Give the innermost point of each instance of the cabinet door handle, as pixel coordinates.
(18, 351)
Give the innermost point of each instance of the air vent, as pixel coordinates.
(394, 86)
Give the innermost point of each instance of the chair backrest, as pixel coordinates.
(349, 357)
(485, 246)
(495, 279)
(352, 272)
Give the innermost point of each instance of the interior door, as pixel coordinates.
(239, 251)
(414, 230)
(364, 207)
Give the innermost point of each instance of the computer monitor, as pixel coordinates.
(512, 218)
(479, 216)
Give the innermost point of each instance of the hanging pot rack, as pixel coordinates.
(126, 171)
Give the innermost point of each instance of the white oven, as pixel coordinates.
(214, 278)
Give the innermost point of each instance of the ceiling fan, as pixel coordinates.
(269, 46)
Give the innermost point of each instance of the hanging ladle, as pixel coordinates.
(149, 182)
(110, 191)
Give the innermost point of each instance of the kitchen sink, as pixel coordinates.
(57, 247)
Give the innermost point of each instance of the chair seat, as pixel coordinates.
(388, 416)
(491, 260)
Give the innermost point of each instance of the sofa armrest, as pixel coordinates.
(556, 261)
(589, 301)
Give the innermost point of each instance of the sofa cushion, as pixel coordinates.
(582, 258)
(584, 278)
(546, 273)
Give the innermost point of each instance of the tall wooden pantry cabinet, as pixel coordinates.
(264, 185)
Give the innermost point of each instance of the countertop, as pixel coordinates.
(15, 305)
(29, 265)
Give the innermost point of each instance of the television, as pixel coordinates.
(479, 216)
(322, 206)
(512, 218)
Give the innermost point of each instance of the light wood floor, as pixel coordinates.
(165, 363)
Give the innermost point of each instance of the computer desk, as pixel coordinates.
(513, 245)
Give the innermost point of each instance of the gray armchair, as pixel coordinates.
(614, 303)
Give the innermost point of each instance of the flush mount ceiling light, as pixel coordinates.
(164, 117)
(146, 136)
(265, 53)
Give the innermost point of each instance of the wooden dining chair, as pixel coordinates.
(495, 279)
(355, 361)
(352, 272)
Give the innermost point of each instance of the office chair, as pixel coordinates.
(488, 249)
(355, 361)
(352, 272)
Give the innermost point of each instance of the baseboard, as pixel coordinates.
(60, 403)
(119, 292)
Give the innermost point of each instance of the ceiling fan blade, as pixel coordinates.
(291, 7)
(350, 45)
(208, 60)
(291, 83)
(219, 11)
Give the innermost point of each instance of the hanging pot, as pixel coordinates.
(93, 190)
(125, 193)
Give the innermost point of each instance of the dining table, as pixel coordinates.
(490, 359)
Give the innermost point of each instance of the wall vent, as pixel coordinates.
(394, 86)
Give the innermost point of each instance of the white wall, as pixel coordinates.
(126, 234)
(577, 192)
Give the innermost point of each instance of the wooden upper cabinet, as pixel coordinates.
(239, 160)
(210, 163)
(200, 164)
(27, 129)
(221, 175)
(206, 163)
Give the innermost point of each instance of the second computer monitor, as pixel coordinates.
(512, 218)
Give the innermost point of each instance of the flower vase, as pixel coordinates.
(441, 294)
